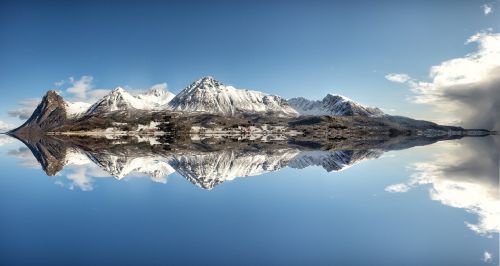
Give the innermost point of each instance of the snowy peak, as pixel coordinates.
(157, 97)
(117, 99)
(332, 104)
(208, 95)
(121, 100)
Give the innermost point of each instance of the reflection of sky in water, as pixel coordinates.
(463, 175)
(290, 216)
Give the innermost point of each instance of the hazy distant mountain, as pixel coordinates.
(208, 95)
(332, 105)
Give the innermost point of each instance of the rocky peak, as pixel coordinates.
(207, 82)
(49, 114)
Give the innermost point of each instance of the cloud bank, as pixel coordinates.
(464, 89)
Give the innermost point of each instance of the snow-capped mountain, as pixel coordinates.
(121, 100)
(156, 98)
(332, 105)
(208, 95)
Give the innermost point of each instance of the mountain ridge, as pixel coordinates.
(332, 104)
(219, 108)
(208, 95)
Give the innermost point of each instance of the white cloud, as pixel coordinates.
(80, 87)
(487, 9)
(399, 78)
(487, 257)
(397, 188)
(27, 107)
(465, 89)
(6, 126)
(59, 83)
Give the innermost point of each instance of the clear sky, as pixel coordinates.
(288, 48)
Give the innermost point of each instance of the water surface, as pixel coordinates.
(427, 205)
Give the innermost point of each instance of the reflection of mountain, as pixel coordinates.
(208, 169)
(208, 162)
(332, 160)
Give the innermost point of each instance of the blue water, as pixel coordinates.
(445, 216)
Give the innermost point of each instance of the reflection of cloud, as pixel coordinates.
(487, 257)
(80, 179)
(397, 188)
(27, 158)
(465, 177)
(6, 126)
(465, 88)
(81, 172)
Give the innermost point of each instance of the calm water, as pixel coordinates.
(429, 205)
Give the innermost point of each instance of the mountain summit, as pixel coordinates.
(208, 95)
(121, 100)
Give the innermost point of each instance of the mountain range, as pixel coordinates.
(204, 96)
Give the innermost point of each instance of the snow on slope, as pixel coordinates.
(156, 98)
(121, 100)
(208, 95)
(332, 105)
(76, 109)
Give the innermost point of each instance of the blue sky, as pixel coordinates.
(289, 48)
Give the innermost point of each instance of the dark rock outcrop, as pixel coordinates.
(49, 114)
